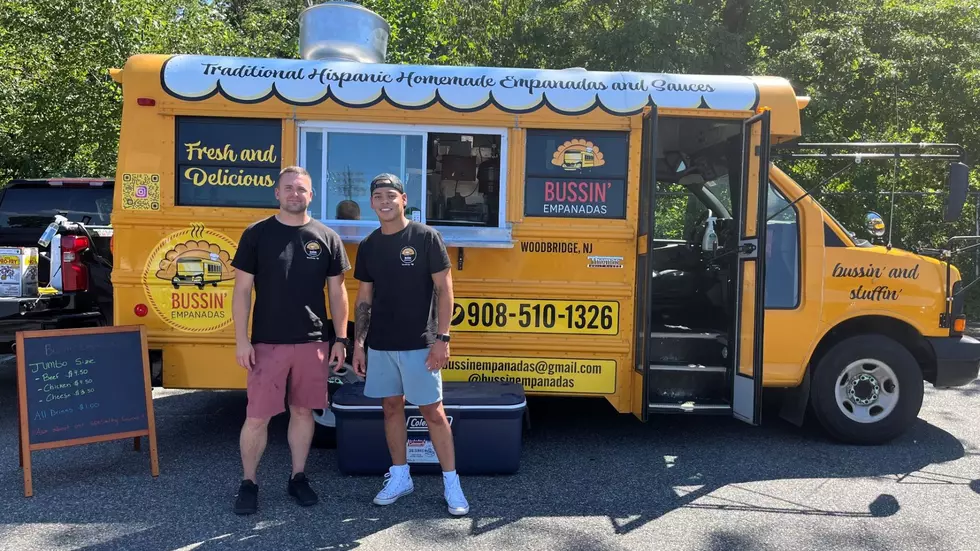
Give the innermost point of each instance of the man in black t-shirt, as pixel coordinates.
(289, 258)
(403, 309)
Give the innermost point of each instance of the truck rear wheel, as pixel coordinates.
(867, 390)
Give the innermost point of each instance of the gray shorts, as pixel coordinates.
(402, 372)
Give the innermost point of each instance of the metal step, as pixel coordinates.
(694, 368)
(690, 407)
(687, 370)
(688, 350)
(677, 383)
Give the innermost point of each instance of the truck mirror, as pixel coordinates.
(875, 224)
(677, 161)
(959, 184)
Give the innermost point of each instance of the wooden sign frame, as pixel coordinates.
(26, 448)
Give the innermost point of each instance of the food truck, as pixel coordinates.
(547, 186)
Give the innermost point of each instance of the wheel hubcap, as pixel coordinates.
(867, 391)
(863, 390)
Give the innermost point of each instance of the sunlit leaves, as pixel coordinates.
(876, 70)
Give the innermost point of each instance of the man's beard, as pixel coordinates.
(294, 209)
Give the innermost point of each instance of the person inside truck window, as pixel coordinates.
(348, 210)
(404, 304)
(290, 258)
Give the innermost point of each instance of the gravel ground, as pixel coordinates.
(590, 479)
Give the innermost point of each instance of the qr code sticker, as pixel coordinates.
(141, 191)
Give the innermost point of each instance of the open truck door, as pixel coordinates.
(751, 276)
(644, 266)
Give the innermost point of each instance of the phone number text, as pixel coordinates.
(523, 316)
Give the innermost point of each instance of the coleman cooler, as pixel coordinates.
(486, 420)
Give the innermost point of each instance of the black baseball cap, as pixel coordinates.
(387, 180)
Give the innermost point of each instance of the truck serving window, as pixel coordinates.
(454, 177)
(342, 164)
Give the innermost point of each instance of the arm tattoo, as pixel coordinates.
(362, 321)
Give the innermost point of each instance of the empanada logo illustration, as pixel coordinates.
(577, 154)
(197, 263)
(407, 256)
(313, 249)
(188, 279)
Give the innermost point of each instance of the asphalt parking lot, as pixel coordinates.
(590, 479)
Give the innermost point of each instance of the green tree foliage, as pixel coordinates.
(60, 110)
(876, 70)
(60, 113)
(883, 71)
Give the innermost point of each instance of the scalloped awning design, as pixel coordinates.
(570, 92)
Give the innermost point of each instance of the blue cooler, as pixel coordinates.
(486, 420)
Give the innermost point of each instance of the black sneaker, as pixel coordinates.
(247, 501)
(299, 488)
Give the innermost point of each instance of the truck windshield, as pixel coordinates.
(718, 191)
(857, 240)
(36, 206)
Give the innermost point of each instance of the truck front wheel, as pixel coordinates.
(867, 390)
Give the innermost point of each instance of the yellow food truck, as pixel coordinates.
(548, 187)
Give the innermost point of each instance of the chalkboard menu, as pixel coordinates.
(79, 386)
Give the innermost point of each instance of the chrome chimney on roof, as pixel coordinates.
(343, 31)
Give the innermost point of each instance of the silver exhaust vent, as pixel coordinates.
(343, 31)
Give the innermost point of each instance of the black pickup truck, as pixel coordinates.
(74, 271)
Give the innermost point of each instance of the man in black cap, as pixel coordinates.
(403, 309)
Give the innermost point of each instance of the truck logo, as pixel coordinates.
(312, 249)
(197, 271)
(577, 154)
(417, 422)
(185, 279)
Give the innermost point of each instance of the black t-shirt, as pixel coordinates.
(291, 265)
(400, 266)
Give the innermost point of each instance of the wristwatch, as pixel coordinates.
(342, 340)
(442, 337)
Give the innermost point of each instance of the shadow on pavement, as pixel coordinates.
(580, 458)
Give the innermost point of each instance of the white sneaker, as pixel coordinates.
(395, 486)
(455, 499)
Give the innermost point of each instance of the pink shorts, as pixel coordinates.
(303, 367)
